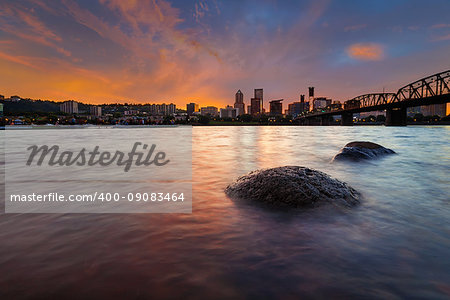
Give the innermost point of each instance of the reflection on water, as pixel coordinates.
(393, 245)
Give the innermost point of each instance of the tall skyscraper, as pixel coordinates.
(259, 95)
(255, 107)
(239, 102)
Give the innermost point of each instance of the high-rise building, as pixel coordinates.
(259, 95)
(255, 106)
(297, 108)
(95, 110)
(229, 112)
(239, 102)
(249, 109)
(162, 109)
(171, 109)
(209, 110)
(69, 107)
(191, 108)
(276, 107)
(311, 97)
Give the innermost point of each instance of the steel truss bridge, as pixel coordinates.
(434, 89)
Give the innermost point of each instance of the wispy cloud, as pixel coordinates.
(442, 25)
(20, 21)
(26, 61)
(442, 38)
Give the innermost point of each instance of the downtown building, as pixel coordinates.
(317, 103)
(276, 107)
(239, 102)
(295, 109)
(311, 97)
(229, 112)
(256, 103)
(259, 95)
(255, 106)
(321, 103)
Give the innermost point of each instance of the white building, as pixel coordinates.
(69, 107)
(229, 112)
(321, 102)
(162, 109)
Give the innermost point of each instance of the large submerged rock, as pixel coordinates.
(362, 150)
(293, 186)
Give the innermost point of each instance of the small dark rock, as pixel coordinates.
(293, 186)
(362, 150)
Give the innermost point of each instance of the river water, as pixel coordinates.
(396, 244)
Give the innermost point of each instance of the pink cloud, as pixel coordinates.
(366, 51)
(442, 38)
(437, 26)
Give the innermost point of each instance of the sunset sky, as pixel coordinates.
(204, 51)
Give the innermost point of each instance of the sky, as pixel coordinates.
(155, 51)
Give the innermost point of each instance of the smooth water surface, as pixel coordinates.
(396, 244)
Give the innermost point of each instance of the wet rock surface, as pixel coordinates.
(293, 186)
(362, 150)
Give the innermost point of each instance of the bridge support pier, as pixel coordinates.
(325, 120)
(347, 119)
(396, 117)
(311, 121)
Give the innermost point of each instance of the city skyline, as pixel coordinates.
(183, 51)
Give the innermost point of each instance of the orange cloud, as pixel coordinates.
(367, 51)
